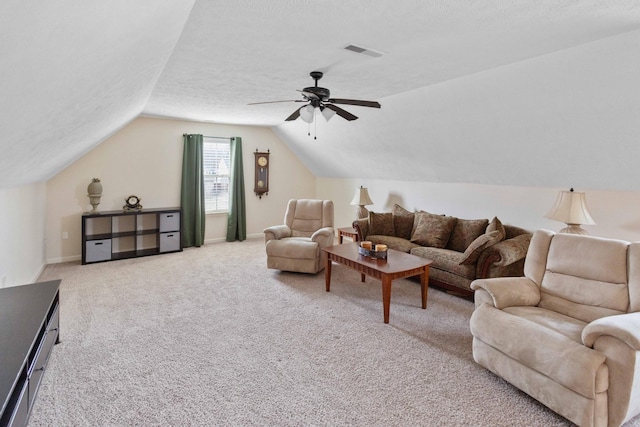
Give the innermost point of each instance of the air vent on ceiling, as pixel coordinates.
(363, 50)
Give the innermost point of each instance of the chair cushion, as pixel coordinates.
(520, 338)
(575, 277)
(305, 216)
(565, 325)
(432, 230)
(293, 247)
(465, 232)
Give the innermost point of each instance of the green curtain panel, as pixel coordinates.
(237, 221)
(192, 192)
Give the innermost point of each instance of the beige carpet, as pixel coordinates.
(211, 337)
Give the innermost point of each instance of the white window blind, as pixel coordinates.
(216, 166)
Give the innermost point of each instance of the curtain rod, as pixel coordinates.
(207, 136)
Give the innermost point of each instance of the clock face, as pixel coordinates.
(262, 161)
(133, 200)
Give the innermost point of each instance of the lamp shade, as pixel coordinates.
(571, 208)
(307, 113)
(361, 198)
(327, 113)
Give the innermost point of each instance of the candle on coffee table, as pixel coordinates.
(366, 245)
(381, 248)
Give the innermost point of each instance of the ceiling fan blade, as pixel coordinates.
(372, 104)
(342, 113)
(274, 102)
(308, 95)
(294, 115)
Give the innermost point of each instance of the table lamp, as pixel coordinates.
(571, 208)
(361, 199)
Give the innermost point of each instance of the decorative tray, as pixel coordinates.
(372, 253)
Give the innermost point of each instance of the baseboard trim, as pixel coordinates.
(224, 239)
(74, 258)
(71, 258)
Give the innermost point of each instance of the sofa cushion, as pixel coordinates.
(402, 221)
(432, 230)
(472, 253)
(465, 232)
(397, 243)
(381, 224)
(446, 260)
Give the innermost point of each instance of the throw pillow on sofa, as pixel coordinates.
(465, 232)
(381, 224)
(432, 230)
(403, 221)
(472, 253)
(496, 224)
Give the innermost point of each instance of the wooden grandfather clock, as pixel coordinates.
(261, 184)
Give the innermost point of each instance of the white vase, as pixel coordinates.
(95, 192)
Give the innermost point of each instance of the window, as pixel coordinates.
(216, 168)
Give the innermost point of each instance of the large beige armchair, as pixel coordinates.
(568, 332)
(297, 244)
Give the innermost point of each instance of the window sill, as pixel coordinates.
(216, 213)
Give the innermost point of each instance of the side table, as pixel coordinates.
(347, 232)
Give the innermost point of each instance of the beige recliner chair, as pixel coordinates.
(568, 333)
(297, 245)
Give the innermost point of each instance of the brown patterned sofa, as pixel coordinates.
(462, 250)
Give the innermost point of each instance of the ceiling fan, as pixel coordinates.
(320, 98)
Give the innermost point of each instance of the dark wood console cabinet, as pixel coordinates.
(29, 326)
(113, 235)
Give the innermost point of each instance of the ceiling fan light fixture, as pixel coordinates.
(320, 97)
(327, 113)
(307, 113)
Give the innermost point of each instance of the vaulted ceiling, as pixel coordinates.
(506, 92)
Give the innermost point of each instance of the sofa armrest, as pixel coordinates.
(324, 237)
(509, 291)
(362, 228)
(625, 327)
(503, 254)
(276, 232)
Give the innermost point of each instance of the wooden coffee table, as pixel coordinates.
(397, 265)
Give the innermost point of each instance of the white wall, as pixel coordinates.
(570, 118)
(145, 159)
(617, 213)
(22, 219)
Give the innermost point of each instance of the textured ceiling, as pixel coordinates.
(234, 53)
(452, 72)
(72, 73)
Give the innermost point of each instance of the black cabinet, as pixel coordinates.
(112, 235)
(29, 326)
